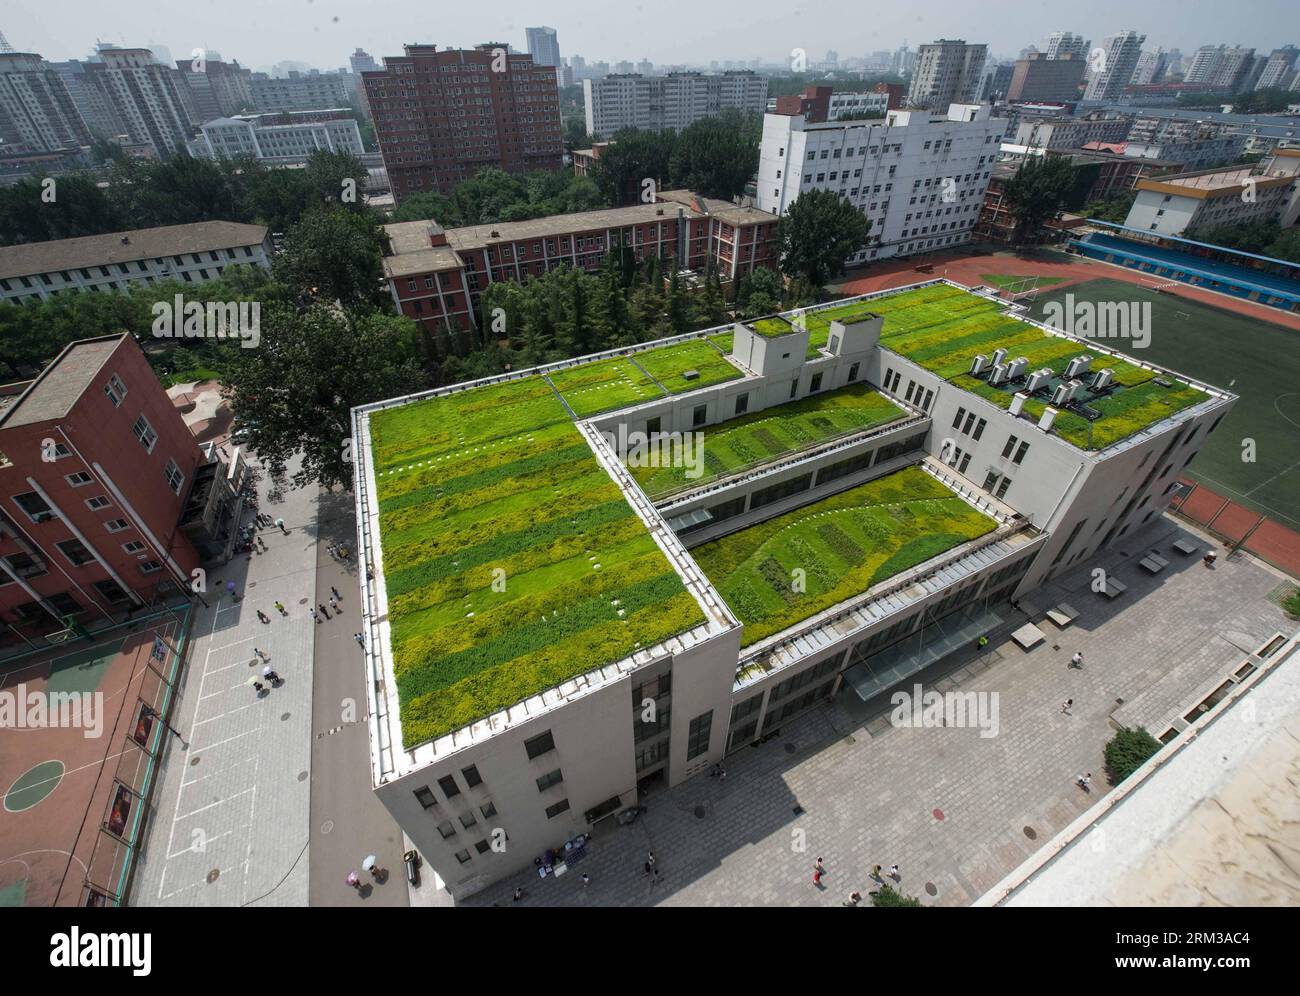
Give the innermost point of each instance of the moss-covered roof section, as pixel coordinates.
(511, 559)
(942, 328)
(779, 572)
(772, 327)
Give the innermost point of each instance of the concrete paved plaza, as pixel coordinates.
(955, 811)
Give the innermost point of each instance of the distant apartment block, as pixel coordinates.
(117, 260)
(288, 136)
(1220, 66)
(1280, 70)
(1041, 78)
(1192, 153)
(1150, 68)
(441, 116)
(671, 102)
(947, 72)
(1052, 132)
(217, 89)
(1113, 69)
(298, 91)
(1063, 43)
(543, 46)
(37, 113)
(919, 177)
(437, 277)
(149, 103)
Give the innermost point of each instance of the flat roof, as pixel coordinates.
(141, 243)
(59, 386)
(1204, 184)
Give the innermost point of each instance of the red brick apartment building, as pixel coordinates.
(437, 276)
(105, 497)
(440, 117)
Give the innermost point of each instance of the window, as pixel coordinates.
(990, 480)
(115, 390)
(425, 797)
(115, 525)
(98, 502)
(472, 777)
(446, 829)
(979, 428)
(853, 372)
(700, 414)
(1020, 453)
(560, 807)
(1002, 487)
(143, 431)
(652, 426)
(488, 809)
(462, 856)
(1011, 445)
(135, 546)
(79, 479)
(742, 403)
(539, 745)
(697, 739)
(75, 551)
(816, 383)
(467, 820)
(551, 778)
(111, 590)
(448, 786)
(961, 414)
(150, 567)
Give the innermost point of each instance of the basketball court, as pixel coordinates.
(81, 726)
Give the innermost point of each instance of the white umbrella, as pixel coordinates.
(369, 863)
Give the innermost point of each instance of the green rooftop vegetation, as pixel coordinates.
(605, 385)
(744, 442)
(842, 545)
(943, 328)
(669, 364)
(512, 561)
(772, 327)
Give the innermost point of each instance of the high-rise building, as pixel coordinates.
(37, 113)
(362, 62)
(1279, 71)
(298, 91)
(1067, 43)
(1220, 66)
(150, 103)
(1150, 68)
(1112, 69)
(1040, 78)
(656, 103)
(216, 88)
(543, 46)
(947, 72)
(433, 136)
(93, 106)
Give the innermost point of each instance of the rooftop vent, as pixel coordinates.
(977, 364)
(1016, 367)
(1077, 366)
(1017, 403)
(1104, 378)
(997, 375)
(690, 375)
(998, 356)
(1045, 422)
(1038, 380)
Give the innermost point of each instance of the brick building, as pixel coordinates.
(440, 117)
(437, 276)
(105, 497)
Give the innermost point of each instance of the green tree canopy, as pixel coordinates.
(819, 231)
(333, 254)
(1037, 192)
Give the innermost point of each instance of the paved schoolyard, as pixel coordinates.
(955, 811)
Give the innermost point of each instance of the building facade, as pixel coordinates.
(1221, 66)
(437, 277)
(1279, 71)
(37, 113)
(118, 260)
(918, 177)
(149, 101)
(1063, 43)
(441, 116)
(287, 137)
(544, 46)
(1041, 78)
(101, 481)
(1111, 70)
(297, 91)
(671, 102)
(1053, 132)
(946, 72)
(1185, 203)
(216, 88)
(547, 769)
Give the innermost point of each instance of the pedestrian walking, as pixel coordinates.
(1066, 706)
(654, 876)
(335, 591)
(263, 616)
(258, 688)
(821, 867)
(875, 873)
(1084, 781)
(855, 897)
(261, 653)
(519, 894)
(586, 880)
(1077, 660)
(361, 640)
(893, 872)
(650, 859)
(817, 877)
(647, 870)
(230, 590)
(270, 676)
(279, 607)
(354, 880)
(343, 554)
(334, 604)
(330, 550)
(312, 612)
(324, 611)
(280, 523)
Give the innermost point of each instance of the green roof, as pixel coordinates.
(772, 327)
(942, 328)
(511, 559)
(781, 571)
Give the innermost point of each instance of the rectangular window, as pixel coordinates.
(448, 786)
(135, 546)
(853, 372)
(742, 403)
(174, 476)
(79, 479)
(911, 386)
(1011, 445)
(75, 551)
(1020, 453)
(472, 777)
(98, 502)
(1002, 487)
(425, 797)
(816, 384)
(539, 745)
(697, 739)
(560, 807)
(115, 390)
(462, 856)
(115, 525)
(150, 567)
(488, 809)
(990, 480)
(701, 413)
(550, 779)
(979, 428)
(970, 424)
(467, 820)
(144, 432)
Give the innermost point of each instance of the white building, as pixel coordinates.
(1279, 71)
(1053, 459)
(918, 177)
(842, 104)
(116, 261)
(1111, 70)
(947, 72)
(1062, 43)
(291, 136)
(656, 103)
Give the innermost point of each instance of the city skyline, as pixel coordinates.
(323, 33)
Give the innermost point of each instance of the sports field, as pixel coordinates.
(1257, 360)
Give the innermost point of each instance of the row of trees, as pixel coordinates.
(181, 190)
(1264, 238)
(493, 195)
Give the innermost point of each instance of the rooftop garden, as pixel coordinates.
(744, 442)
(772, 327)
(605, 385)
(667, 364)
(942, 328)
(511, 560)
(842, 545)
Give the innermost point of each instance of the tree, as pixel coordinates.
(336, 178)
(1037, 192)
(1114, 209)
(1285, 246)
(333, 254)
(1252, 236)
(716, 157)
(886, 895)
(634, 157)
(1127, 751)
(61, 207)
(818, 233)
(294, 393)
(762, 293)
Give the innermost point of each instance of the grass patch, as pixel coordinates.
(843, 545)
(667, 364)
(602, 386)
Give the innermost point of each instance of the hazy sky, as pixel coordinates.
(323, 32)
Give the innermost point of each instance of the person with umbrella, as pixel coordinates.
(269, 674)
(371, 864)
(354, 880)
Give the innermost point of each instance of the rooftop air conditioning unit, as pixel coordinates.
(1016, 367)
(977, 364)
(1077, 366)
(997, 375)
(998, 356)
(1037, 380)
(1103, 379)
(1065, 392)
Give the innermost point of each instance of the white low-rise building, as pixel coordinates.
(288, 136)
(919, 177)
(671, 102)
